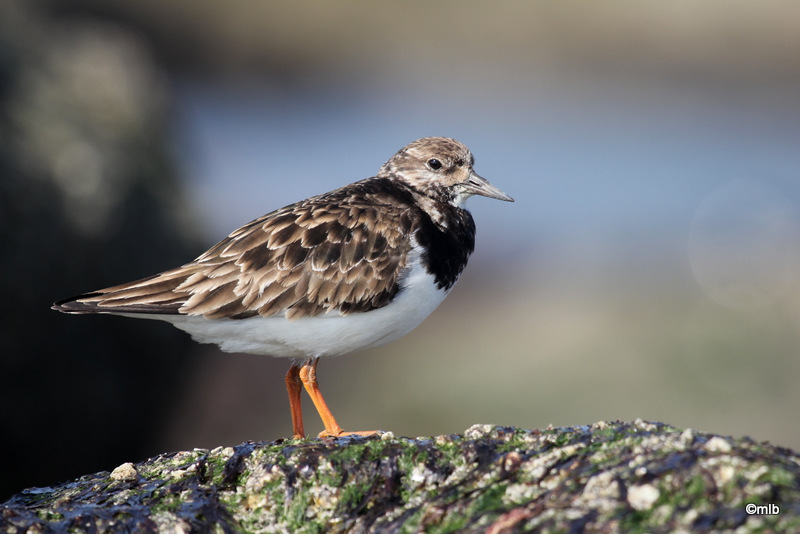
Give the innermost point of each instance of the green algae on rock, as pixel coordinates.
(605, 477)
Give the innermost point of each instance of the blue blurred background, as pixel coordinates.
(648, 268)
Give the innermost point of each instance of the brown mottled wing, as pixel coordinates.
(339, 251)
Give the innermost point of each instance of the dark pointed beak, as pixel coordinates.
(479, 185)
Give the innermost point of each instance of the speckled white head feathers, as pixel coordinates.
(440, 168)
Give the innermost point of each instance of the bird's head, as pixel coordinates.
(440, 168)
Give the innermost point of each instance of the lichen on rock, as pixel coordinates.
(604, 477)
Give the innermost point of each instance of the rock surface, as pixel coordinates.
(607, 477)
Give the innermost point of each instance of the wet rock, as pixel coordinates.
(606, 477)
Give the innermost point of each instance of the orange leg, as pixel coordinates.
(308, 376)
(294, 386)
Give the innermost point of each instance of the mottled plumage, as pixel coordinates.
(377, 256)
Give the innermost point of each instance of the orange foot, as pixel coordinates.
(306, 375)
(342, 433)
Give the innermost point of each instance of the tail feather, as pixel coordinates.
(147, 296)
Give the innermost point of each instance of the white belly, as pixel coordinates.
(324, 335)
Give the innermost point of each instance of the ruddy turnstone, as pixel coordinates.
(347, 270)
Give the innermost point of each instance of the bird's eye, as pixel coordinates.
(434, 164)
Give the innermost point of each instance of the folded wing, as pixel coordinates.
(304, 260)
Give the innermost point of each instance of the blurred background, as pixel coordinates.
(648, 268)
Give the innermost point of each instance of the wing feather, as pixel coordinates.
(344, 251)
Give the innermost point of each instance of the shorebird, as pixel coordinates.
(347, 270)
